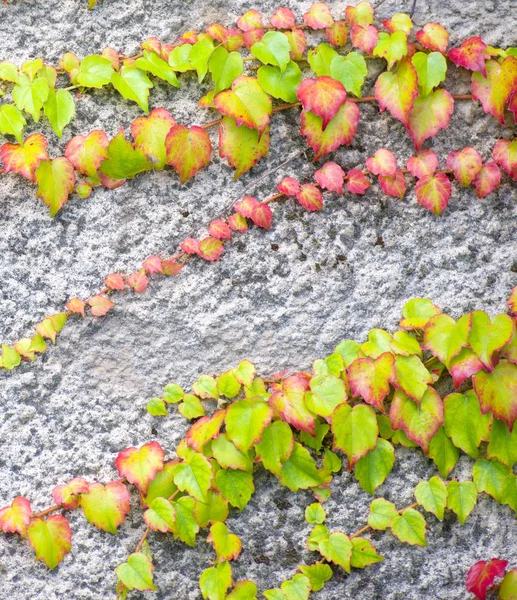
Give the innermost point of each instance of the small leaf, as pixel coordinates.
(481, 576)
(160, 516)
(372, 469)
(396, 91)
(55, 179)
(434, 37)
(215, 581)
(489, 476)
(323, 96)
(315, 514)
(381, 514)
(137, 572)
(363, 554)
(430, 114)
(364, 38)
(157, 66)
(16, 518)
(133, 84)
(337, 549)
(204, 430)
(471, 55)
(318, 574)
(51, 539)
(210, 248)
(95, 71)
(149, 134)
(69, 494)
(188, 150)
(280, 84)
(432, 495)
(276, 446)
(504, 153)
(351, 71)
(433, 192)
(391, 47)
(283, 18)
(273, 49)
(224, 68)
(443, 452)
(371, 379)
(300, 472)
(355, 431)
(245, 421)
(330, 177)
(497, 391)
(227, 545)
(12, 121)
(30, 96)
(87, 153)
(319, 16)
(59, 109)
(409, 527)
(106, 506)
(357, 182)
(362, 14)
(508, 589)
(310, 197)
(140, 465)
(465, 164)
(236, 486)
(487, 180)
(431, 69)
(100, 305)
(464, 423)
(461, 498)
(383, 162)
(412, 376)
(194, 476)
(124, 161)
(24, 158)
(289, 186)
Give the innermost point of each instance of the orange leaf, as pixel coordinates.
(114, 281)
(393, 186)
(465, 164)
(493, 89)
(24, 158)
(429, 115)
(433, 36)
(310, 197)
(283, 18)
(100, 305)
(433, 192)
(210, 248)
(319, 16)
(138, 281)
(76, 305)
(140, 465)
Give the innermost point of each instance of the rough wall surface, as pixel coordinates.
(334, 275)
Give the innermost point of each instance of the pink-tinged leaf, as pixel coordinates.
(237, 222)
(152, 44)
(319, 16)
(399, 22)
(68, 494)
(150, 132)
(463, 366)
(252, 37)
(420, 422)
(487, 180)
(76, 305)
(290, 404)
(171, 267)
(16, 518)
(219, 229)
(114, 281)
(100, 305)
(56, 180)
(330, 177)
(383, 162)
(283, 18)
(153, 265)
(87, 153)
(262, 216)
(140, 465)
(310, 197)
(249, 20)
(83, 190)
(393, 186)
(434, 37)
(341, 129)
(430, 114)
(337, 35)
(51, 539)
(465, 164)
(481, 576)
(423, 164)
(323, 96)
(397, 90)
(138, 281)
(505, 155)
(494, 88)
(106, 506)
(362, 14)
(246, 206)
(357, 182)
(190, 246)
(210, 249)
(289, 186)
(298, 42)
(364, 38)
(471, 55)
(188, 150)
(370, 379)
(241, 146)
(204, 430)
(24, 158)
(497, 391)
(433, 192)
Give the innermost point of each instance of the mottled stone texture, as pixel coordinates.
(280, 298)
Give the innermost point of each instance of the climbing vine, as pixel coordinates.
(358, 403)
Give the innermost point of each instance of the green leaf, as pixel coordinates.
(236, 486)
(431, 70)
(124, 161)
(8, 72)
(241, 146)
(179, 58)
(371, 470)
(337, 549)
(225, 68)
(200, 55)
(216, 509)
(106, 506)
(160, 515)
(194, 476)
(391, 47)
(318, 534)
(349, 350)
(216, 581)
(191, 407)
(412, 376)
(95, 71)
(30, 95)
(445, 337)
(246, 420)
(351, 70)
(206, 387)
(497, 391)
(327, 392)
(243, 590)
(245, 372)
(173, 393)
(379, 341)
(318, 574)
(355, 431)
(59, 109)
(315, 442)
(381, 514)
(55, 179)
(228, 456)
(508, 589)
(281, 85)
(133, 84)
(186, 526)
(10, 358)
(273, 49)
(297, 588)
(432, 495)
(12, 121)
(503, 444)
(409, 527)
(461, 498)
(315, 513)
(228, 385)
(276, 446)
(489, 476)
(299, 471)
(137, 572)
(162, 486)
(443, 452)
(363, 554)
(227, 545)
(509, 495)
(320, 59)
(487, 336)
(154, 64)
(156, 407)
(51, 539)
(464, 423)
(417, 312)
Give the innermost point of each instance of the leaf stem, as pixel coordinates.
(47, 511)
(367, 527)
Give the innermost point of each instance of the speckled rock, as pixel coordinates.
(280, 298)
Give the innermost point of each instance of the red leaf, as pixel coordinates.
(220, 230)
(210, 248)
(171, 267)
(357, 182)
(237, 222)
(289, 186)
(24, 158)
(140, 465)
(487, 180)
(481, 576)
(249, 20)
(188, 150)
(138, 281)
(393, 186)
(262, 216)
(100, 305)
(423, 164)
(283, 18)
(337, 35)
(323, 96)
(433, 192)
(364, 38)
(319, 16)
(383, 162)
(463, 366)
(330, 177)
(471, 55)
(246, 206)
(190, 246)
(115, 282)
(153, 265)
(505, 155)
(465, 164)
(298, 42)
(310, 197)
(76, 305)
(68, 494)
(252, 37)
(433, 36)
(16, 518)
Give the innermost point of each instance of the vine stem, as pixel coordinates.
(368, 527)
(47, 511)
(148, 529)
